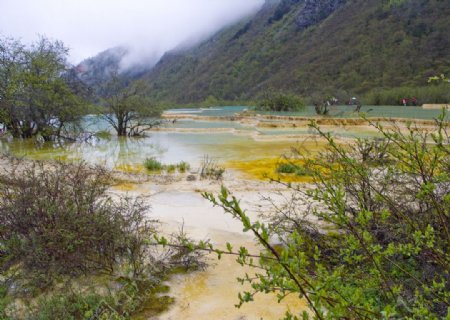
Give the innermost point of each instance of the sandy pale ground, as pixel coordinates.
(213, 294)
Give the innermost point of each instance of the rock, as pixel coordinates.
(315, 11)
(283, 8)
(191, 177)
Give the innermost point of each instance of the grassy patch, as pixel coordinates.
(152, 164)
(183, 166)
(286, 168)
(171, 168)
(292, 168)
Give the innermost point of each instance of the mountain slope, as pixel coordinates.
(96, 71)
(307, 46)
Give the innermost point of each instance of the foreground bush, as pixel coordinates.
(57, 219)
(59, 224)
(371, 240)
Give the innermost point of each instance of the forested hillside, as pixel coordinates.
(338, 47)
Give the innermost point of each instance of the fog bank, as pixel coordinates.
(148, 28)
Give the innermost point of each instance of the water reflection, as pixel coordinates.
(186, 140)
(167, 147)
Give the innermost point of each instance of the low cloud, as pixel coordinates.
(148, 28)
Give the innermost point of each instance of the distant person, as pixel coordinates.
(358, 104)
(414, 101)
(404, 102)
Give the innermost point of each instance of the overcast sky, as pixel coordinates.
(148, 27)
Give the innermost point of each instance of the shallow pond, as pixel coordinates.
(190, 140)
(167, 147)
(222, 141)
(341, 111)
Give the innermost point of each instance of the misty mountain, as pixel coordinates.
(307, 46)
(97, 70)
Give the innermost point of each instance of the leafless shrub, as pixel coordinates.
(209, 169)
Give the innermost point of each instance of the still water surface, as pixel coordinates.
(190, 140)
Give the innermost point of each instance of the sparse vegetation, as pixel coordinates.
(183, 166)
(152, 164)
(170, 168)
(291, 168)
(209, 169)
(286, 168)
